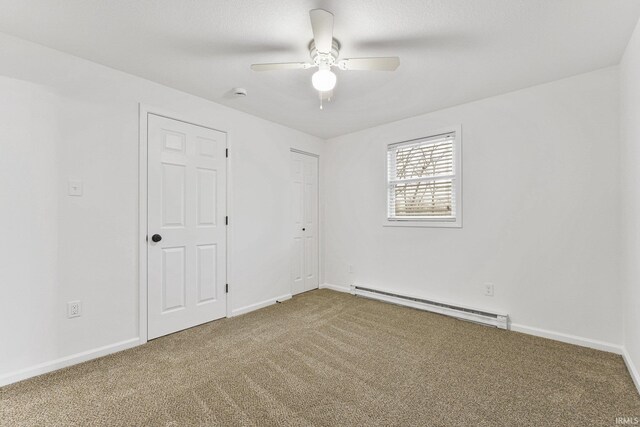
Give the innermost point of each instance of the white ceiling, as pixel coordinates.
(451, 51)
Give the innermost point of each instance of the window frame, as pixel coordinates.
(438, 222)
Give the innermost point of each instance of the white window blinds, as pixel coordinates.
(422, 178)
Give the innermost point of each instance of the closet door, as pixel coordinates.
(304, 205)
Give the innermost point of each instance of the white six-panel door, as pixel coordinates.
(186, 209)
(304, 198)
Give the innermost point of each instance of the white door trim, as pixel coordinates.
(319, 241)
(144, 111)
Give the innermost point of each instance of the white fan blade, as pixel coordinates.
(281, 66)
(373, 64)
(322, 26)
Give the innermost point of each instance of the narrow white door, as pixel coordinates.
(186, 243)
(304, 197)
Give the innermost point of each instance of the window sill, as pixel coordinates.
(453, 223)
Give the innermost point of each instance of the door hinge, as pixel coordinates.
(226, 220)
(226, 152)
(226, 288)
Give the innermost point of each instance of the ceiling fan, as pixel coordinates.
(324, 51)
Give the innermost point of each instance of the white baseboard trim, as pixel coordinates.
(63, 362)
(633, 370)
(259, 305)
(567, 338)
(339, 288)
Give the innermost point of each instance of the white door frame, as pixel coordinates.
(319, 225)
(144, 111)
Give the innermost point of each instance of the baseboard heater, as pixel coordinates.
(465, 313)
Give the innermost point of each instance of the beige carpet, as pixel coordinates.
(329, 359)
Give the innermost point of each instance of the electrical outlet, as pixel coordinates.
(488, 289)
(74, 309)
(350, 268)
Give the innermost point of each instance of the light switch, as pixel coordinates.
(75, 188)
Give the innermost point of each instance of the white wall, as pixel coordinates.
(540, 200)
(630, 167)
(62, 117)
(29, 212)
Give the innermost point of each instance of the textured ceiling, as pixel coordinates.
(451, 51)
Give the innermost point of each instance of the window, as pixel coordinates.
(423, 181)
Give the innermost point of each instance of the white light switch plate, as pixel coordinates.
(75, 188)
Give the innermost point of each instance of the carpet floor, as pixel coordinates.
(331, 359)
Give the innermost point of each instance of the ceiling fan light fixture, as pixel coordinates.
(324, 79)
(324, 50)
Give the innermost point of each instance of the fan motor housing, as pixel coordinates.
(324, 58)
